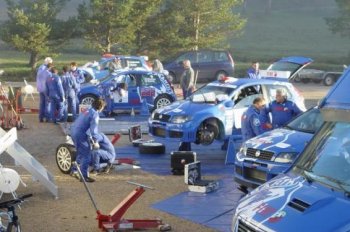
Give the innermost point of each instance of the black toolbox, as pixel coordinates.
(178, 160)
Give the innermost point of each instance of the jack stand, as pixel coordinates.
(114, 221)
(185, 146)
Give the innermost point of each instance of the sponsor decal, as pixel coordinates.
(256, 122)
(148, 92)
(277, 216)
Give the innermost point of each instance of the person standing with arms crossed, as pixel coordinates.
(43, 74)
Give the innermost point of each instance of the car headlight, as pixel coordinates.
(243, 150)
(180, 119)
(286, 157)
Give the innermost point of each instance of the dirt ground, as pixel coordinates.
(73, 210)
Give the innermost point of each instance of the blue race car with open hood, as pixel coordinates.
(315, 194)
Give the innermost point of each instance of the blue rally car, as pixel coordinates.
(215, 110)
(315, 194)
(140, 86)
(263, 157)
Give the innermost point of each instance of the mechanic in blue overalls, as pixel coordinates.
(104, 154)
(281, 109)
(84, 133)
(55, 92)
(79, 78)
(43, 74)
(253, 72)
(69, 86)
(251, 120)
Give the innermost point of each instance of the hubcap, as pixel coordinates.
(163, 102)
(87, 101)
(64, 159)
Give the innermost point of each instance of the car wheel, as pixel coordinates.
(87, 99)
(65, 155)
(328, 80)
(220, 74)
(208, 133)
(151, 148)
(162, 100)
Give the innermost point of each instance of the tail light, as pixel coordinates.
(231, 60)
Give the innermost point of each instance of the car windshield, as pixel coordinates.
(212, 93)
(327, 158)
(308, 122)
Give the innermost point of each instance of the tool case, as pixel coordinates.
(178, 160)
(193, 177)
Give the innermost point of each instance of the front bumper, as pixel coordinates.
(254, 172)
(184, 132)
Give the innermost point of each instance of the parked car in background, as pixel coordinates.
(314, 195)
(274, 152)
(210, 64)
(140, 85)
(318, 76)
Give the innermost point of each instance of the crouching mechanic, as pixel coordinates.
(84, 128)
(103, 153)
(252, 120)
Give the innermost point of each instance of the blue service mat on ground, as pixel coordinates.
(214, 210)
(212, 158)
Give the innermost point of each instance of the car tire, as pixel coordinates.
(87, 99)
(208, 133)
(328, 80)
(162, 100)
(220, 74)
(65, 156)
(151, 148)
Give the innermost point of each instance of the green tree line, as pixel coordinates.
(151, 27)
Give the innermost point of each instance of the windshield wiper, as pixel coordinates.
(339, 183)
(309, 175)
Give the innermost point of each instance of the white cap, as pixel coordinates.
(48, 60)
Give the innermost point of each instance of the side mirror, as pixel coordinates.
(229, 104)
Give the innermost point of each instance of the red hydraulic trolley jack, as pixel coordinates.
(114, 221)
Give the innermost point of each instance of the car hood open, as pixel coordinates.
(286, 68)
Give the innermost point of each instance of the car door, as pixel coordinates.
(131, 97)
(150, 87)
(242, 99)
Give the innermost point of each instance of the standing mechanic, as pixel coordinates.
(42, 75)
(281, 109)
(69, 86)
(251, 120)
(104, 154)
(79, 78)
(84, 133)
(254, 72)
(54, 91)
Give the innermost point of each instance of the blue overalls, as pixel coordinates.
(44, 106)
(105, 154)
(79, 78)
(253, 74)
(84, 127)
(251, 123)
(69, 86)
(282, 112)
(55, 92)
